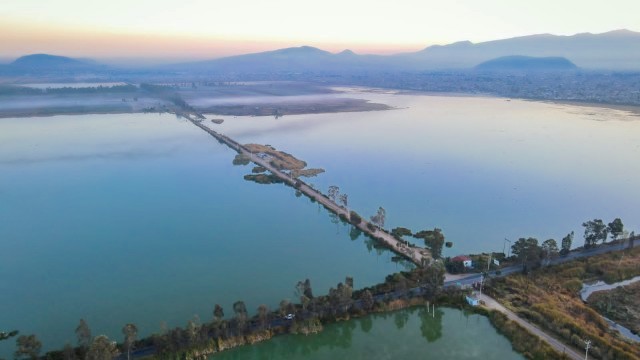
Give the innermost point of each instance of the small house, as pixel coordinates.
(472, 300)
(465, 260)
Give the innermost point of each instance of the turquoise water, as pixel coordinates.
(143, 218)
(406, 334)
(481, 169)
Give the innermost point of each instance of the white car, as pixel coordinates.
(289, 316)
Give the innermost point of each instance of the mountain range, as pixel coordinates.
(615, 50)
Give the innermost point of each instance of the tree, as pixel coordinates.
(68, 352)
(549, 249)
(102, 349)
(566, 243)
(130, 332)
(263, 313)
(344, 200)
(83, 333)
(615, 228)
(355, 218)
(380, 217)
(434, 239)
(240, 309)
(333, 192)
(27, 347)
(218, 313)
(367, 300)
(594, 231)
(527, 250)
(401, 231)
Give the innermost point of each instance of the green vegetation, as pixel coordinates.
(355, 218)
(433, 239)
(241, 159)
(522, 341)
(263, 178)
(258, 169)
(549, 298)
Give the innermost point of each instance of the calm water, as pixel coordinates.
(143, 218)
(406, 334)
(481, 169)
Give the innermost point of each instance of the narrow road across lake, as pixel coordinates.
(419, 256)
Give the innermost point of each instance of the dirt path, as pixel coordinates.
(491, 303)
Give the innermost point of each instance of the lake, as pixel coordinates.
(405, 334)
(481, 169)
(143, 218)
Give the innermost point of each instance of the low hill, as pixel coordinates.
(527, 64)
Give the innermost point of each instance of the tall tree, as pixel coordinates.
(83, 333)
(566, 243)
(27, 347)
(434, 239)
(594, 231)
(615, 228)
(240, 310)
(344, 200)
(527, 251)
(102, 348)
(218, 313)
(367, 300)
(380, 217)
(549, 249)
(130, 332)
(333, 192)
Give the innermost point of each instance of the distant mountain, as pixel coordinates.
(291, 60)
(46, 61)
(614, 50)
(527, 64)
(50, 64)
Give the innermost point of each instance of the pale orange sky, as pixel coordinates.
(174, 30)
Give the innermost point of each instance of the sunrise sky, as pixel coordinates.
(171, 29)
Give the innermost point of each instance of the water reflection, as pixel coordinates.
(431, 324)
(395, 335)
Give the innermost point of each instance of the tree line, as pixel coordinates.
(305, 315)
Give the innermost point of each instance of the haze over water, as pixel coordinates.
(482, 169)
(142, 218)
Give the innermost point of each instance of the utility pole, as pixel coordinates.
(587, 345)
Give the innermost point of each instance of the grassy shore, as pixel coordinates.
(549, 297)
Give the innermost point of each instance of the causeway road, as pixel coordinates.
(419, 256)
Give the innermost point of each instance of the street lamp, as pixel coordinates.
(503, 245)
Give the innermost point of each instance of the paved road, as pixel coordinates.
(556, 344)
(469, 279)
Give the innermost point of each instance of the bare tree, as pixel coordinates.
(344, 200)
(333, 192)
(130, 332)
(83, 333)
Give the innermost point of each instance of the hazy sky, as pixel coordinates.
(212, 28)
